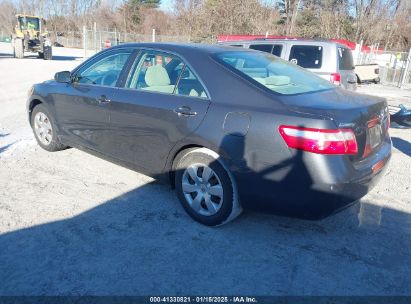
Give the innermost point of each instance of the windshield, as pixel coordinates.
(29, 23)
(273, 73)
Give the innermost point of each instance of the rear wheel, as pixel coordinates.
(41, 55)
(44, 129)
(205, 188)
(18, 48)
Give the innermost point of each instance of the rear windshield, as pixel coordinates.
(273, 73)
(307, 56)
(274, 49)
(345, 61)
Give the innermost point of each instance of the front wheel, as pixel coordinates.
(205, 188)
(47, 53)
(44, 129)
(18, 48)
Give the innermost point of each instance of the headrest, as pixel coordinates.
(156, 75)
(277, 80)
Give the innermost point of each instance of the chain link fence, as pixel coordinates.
(92, 40)
(5, 37)
(395, 68)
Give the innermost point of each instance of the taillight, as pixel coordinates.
(322, 141)
(335, 78)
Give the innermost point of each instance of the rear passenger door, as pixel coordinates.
(162, 102)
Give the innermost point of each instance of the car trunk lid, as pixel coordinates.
(366, 115)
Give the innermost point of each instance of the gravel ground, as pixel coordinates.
(73, 224)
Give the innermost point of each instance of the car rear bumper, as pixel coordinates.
(300, 194)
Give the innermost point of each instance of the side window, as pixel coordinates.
(277, 50)
(262, 47)
(164, 73)
(104, 71)
(274, 49)
(306, 56)
(156, 72)
(189, 85)
(345, 61)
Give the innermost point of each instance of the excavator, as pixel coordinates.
(30, 35)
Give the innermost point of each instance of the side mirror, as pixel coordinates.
(63, 77)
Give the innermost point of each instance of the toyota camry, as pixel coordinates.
(228, 128)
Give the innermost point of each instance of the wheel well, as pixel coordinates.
(176, 155)
(33, 103)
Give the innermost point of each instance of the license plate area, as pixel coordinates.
(375, 136)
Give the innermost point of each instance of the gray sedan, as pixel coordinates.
(229, 128)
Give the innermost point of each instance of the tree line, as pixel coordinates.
(383, 22)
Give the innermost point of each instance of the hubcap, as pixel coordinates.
(202, 189)
(42, 128)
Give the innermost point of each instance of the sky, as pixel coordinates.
(166, 5)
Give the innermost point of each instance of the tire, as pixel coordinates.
(211, 202)
(41, 55)
(18, 49)
(47, 54)
(50, 142)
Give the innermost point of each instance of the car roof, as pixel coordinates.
(182, 47)
(269, 40)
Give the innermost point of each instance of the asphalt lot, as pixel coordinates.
(73, 224)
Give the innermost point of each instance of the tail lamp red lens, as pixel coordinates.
(335, 78)
(322, 141)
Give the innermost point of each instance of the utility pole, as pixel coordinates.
(85, 41)
(407, 67)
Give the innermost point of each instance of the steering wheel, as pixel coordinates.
(109, 79)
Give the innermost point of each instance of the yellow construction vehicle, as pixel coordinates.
(30, 35)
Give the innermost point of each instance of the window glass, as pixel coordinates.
(29, 23)
(262, 47)
(307, 56)
(345, 61)
(189, 85)
(156, 72)
(273, 73)
(277, 50)
(105, 71)
(274, 49)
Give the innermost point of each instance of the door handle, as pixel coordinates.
(103, 99)
(184, 111)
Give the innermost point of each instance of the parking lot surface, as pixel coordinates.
(73, 224)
